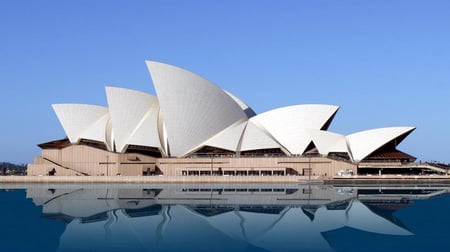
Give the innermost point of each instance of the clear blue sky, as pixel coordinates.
(385, 62)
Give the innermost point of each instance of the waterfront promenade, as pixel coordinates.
(390, 179)
(157, 179)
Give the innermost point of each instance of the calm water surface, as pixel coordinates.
(228, 217)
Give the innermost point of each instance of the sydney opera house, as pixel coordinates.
(192, 127)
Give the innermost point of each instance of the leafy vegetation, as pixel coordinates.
(12, 169)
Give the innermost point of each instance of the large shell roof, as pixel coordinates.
(194, 110)
(190, 112)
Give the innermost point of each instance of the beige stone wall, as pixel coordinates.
(89, 160)
(319, 166)
(131, 164)
(79, 159)
(44, 170)
(52, 154)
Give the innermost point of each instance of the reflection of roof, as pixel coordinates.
(209, 211)
(263, 209)
(58, 216)
(190, 113)
(146, 211)
(386, 211)
(123, 211)
(362, 218)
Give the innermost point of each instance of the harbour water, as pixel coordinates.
(223, 217)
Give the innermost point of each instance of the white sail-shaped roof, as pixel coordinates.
(287, 125)
(255, 138)
(82, 121)
(189, 112)
(327, 142)
(248, 111)
(363, 143)
(229, 138)
(193, 109)
(134, 117)
(306, 116)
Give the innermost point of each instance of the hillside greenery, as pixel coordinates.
(12, 169)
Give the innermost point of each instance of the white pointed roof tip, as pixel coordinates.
(244, 106)
(394, 128)
(127, 90)
(247, 109)
(363, 143)
(134, 117)
(204, 108)
(82, 120)
(59, 105)
(312, 105)
(149, 62)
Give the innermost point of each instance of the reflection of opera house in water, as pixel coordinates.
(272, 217)
(194, 128)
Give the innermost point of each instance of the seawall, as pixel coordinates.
(389, 179)
(159, 179)
(337, 180)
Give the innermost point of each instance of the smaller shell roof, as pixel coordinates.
(305, 116)
(363, 143)
(229, 138)
(287, 125)
(327, 142)
(256, 138)
(134, 117)
(82, 121)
